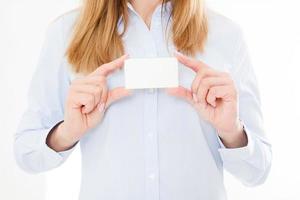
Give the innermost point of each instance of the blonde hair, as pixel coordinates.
(96, 39)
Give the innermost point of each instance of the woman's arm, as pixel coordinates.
(60, 112)
(231, 103)
(250, 164)
(45, 108)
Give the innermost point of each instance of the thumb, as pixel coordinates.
(117, 94)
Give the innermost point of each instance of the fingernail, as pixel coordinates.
(195, 97)
(176, 52)
(101, 107)
(214, 104)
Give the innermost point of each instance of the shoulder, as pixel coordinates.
(58, 35)
(66, 20)
(225, 40)
(62, 26)
(225, 36)
(222, 26)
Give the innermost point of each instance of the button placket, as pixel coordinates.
(151, 147)
(150, 124)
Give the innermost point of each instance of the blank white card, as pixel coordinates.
(151, 73)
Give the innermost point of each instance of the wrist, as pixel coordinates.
(59, 140)
(235, 138)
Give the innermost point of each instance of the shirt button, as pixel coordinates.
(151, 90)
(151, 176)
(150, 134)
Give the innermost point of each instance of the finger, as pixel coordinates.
(117, 94)
(110, 67)
(102, 104)
(211, 98)
(181, 92)
(100, 107)
(207, 83)
(201, 94)
(207, 72)
(90, 89)
(191, 63)
(218, 92)
(104, 95)
(84, 101)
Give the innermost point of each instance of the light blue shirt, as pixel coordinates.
(149, 146)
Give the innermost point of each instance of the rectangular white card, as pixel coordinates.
(151, 73)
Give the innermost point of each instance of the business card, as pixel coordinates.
(141, 73)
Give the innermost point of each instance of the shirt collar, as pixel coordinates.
(166, 10)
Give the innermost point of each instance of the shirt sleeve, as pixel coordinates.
(46, 97)
(250, 164)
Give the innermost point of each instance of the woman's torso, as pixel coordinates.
(153, 145)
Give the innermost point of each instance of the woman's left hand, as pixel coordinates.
(215, 97)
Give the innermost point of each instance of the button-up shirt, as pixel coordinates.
(151, 145)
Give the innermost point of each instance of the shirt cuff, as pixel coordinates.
(54, 155)
(237, 154)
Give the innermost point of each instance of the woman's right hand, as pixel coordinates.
(87, 99)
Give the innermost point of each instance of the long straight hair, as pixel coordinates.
(96, 39)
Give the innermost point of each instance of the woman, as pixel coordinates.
(170, 143)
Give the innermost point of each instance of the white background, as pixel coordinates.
(272, 31)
